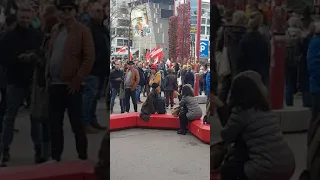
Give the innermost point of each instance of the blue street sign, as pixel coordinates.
(204, 48)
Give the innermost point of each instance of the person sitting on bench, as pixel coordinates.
(189, 108)
(149, 106)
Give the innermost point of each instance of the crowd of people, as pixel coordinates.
(253, 145)
(55, 60)
(133, 79)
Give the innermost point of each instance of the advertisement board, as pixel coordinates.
(140, 23)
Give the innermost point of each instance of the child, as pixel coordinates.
(149, 106)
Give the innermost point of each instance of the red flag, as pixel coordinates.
(122, 49)
(157, 54)
(148, 55)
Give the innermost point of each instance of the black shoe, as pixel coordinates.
(3, 164)
(98, 126)
(122, 112)
(39, 160)
(6, 157)
(182, 132)
(83, 157)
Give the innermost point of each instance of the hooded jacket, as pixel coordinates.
(156, 79)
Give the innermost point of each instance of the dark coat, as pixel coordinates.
(149, 106)
(171, 82)
(102, 169)
(254, 55)
(189, 78)
(258, 136)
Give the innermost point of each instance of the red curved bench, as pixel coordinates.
(159, 121)
(73, 170)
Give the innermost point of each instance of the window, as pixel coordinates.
(193, 20)
(120, 42)
(166, 13)
(203, 30)
(203, 21)
(208, 21)
(125, 42)
(161, 25)
(208, 30)
(123, 22)
(193, 37)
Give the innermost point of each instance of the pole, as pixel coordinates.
(198, 30)
(129, 33)
(140, 48)
(277, 55)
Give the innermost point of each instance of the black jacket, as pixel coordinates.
(114, 75)
(189, 78)
(101, 38)
(12, 44)
(171, 82)
(142, 81)
(254, 55)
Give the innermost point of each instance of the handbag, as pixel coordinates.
(175, 111)
(223, 62)
(218, 151)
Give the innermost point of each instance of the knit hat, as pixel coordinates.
(154, 85)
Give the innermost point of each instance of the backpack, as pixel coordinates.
(161, 105)
(292, 55)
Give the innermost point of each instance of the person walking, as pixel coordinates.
(116, 79)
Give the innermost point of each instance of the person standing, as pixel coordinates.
(116, 79)
(99, 71)
(170, 86)
(155, 77)
(71, 57)
(131, 82)
(17, 49)
(141, 82)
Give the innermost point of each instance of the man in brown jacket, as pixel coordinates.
(71, 55)
(131, 82)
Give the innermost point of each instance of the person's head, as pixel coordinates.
(295, 22)
(239, 18)
(255, 21)
(130, 65)
(96, 12)
(154, 86)
(49, 19)
(117, 65)
(187, 90)
(140, 64)
(170, 70)
(154, 69)
(66, 10)
(24, 16)
(248, 92)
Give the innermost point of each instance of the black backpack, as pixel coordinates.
(292, 49)
(161, 105)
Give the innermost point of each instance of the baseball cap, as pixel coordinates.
(154, 67)
(62, 3)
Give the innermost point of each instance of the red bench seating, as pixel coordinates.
(74, 170)
(158, 121)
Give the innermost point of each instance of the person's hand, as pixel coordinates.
(73, 87)
(217, 102)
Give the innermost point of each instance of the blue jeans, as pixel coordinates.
(89, 100)
(114, 92)
(138, 92)
(15, 97)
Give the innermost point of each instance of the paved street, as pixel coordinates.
(139, 154)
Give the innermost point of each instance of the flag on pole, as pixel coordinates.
(157, 54)
(125, 49)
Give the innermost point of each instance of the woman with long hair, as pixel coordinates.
(189, 108)
(256, 146)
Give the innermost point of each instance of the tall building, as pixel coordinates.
(205, 21)
(150, 24)
(119, 24)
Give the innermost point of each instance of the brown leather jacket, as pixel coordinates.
(134, 79)
(79, 52)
